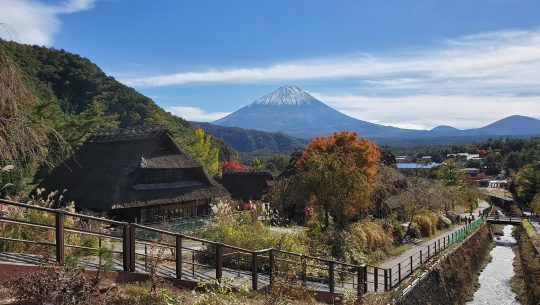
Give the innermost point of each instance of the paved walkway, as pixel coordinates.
(422, 245)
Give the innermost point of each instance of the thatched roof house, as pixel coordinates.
(135, 175)
(247, 185)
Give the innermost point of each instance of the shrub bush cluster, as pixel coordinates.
(427, 224)
(254, 236)
(367, 240)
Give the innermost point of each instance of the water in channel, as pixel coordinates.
(495, 278)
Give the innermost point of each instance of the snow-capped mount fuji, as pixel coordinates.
(287, 96)
(291, 110)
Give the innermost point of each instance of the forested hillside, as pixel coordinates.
(250, 140)
(75, 97)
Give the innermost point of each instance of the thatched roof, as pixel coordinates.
(112, 171)
(246, 185)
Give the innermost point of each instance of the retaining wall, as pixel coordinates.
(453, 279)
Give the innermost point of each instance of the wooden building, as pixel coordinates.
(138, 176)
(247, 186)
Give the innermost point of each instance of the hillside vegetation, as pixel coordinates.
(73, 96)
(250, 140)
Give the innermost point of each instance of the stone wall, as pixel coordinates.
(528, 271)
(453, 279)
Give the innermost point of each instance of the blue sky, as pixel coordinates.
(404, 63)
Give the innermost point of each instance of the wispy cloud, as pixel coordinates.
(427, 110)
(507, 60)
(196, 114)
(35, 22)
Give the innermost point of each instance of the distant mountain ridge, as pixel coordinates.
(295, 112)
(249, 140)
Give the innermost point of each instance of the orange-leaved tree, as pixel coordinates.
(337, 173)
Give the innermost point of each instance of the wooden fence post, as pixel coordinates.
(376, 278)
(399, 272)
(132, 248)
(60, 246)
(271, 262)
(125, 247)
(420, 256)
(386, 280)
(304, 270)
(428, 252)
(219, 262)
(360, 281)
(412, 269)
(254, 271)
(331, 276)
(365, 278)
(178, 256)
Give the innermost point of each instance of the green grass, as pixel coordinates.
(400, 249)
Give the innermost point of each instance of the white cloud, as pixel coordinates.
(34, 22)
(196, 114)
(502, 60)
(428, 111)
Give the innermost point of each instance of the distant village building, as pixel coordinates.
(425, 159)
(498, 184)
(246, 185)
(473, 172)
(465, 156)
(402, 159)
(139, 176)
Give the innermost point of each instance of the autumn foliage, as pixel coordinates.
(232, 166)
(337, 174)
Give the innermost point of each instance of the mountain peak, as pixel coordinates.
(287, 96)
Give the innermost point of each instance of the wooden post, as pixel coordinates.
(399, 272)
(420, 256)
(125, 248)
(331, 276)
(365, 278)
(219, 262)
(132, 248)
(254, 273)
(192, 263)
(376, 278)
(360, 281)
(439, 241)
(178, 256)
(412, 269)
(271, 259)
(304, 270)
(60, 246)
(428, 252)
(386, 280)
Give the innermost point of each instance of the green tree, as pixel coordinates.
(527, 182)
(450, 174)
(257, 165)
(535, 204)
(204, 151)
(78, 127)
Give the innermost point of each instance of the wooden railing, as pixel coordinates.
(188, 258)
(505, 219)
(195, 259)
(405, 268)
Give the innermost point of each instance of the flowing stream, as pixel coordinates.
(495, 278)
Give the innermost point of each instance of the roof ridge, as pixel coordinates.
(125, 134)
